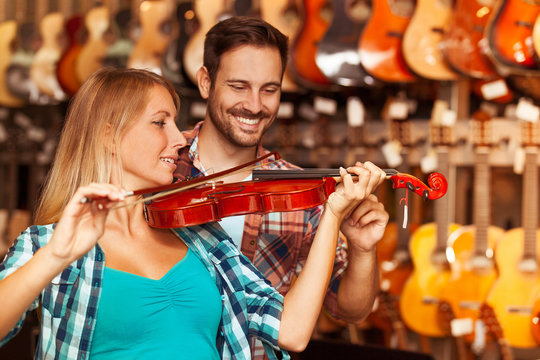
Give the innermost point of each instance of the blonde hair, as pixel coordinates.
(98, 116)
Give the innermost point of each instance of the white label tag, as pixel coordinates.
(428, 163)
(22, 120)
(36, 134)
(460, 327)
(519, 160)
(286, 110)
(437, 112)
(449, 118)
(197, 110)
(355, 111)
(527, 111)
(398, 110)
(325, 105)
(494, 89)
(391, 152)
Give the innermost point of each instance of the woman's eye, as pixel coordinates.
(159, 123)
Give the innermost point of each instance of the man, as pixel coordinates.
(244, 61)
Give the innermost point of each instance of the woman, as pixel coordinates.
(111, 286)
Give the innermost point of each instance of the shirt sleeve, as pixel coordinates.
(24, 247)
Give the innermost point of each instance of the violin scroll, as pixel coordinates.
(435, 189)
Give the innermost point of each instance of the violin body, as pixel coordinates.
(210, 203)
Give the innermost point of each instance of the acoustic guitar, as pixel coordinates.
(337, 51)
(8, 34)
(513, 295)
(420, 297)
(422, 41)
(172, 59)
(45, 62)
(158, 29)
(536, 35)
(380, 45)
(463, 49)
(316, 20)
(470, 248)
(509, 34)
(284, 15)
(74, 30)
(96, 23)
(119, 34)
(208, 13)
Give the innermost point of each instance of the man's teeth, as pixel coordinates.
(248, 121)
(168, 160)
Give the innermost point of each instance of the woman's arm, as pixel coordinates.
(77, 232)
(303, 302)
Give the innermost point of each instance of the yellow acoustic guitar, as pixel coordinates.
(471, 248)
(96, 22)
(514, 293)
(420, 297)
(45, 62)
(422, 41)
(8, 34)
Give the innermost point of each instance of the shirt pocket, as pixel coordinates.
(58, 294)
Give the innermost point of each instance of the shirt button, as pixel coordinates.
(252, 242)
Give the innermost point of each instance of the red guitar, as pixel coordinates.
(380, 45)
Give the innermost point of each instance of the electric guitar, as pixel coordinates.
(427, 245)
(96, 22)
(8, 34)
(336, 53)
(158, 29)
(422, 41)
(463, 49)
(45, 62)
(380, 45)
(513, 295)
(471, 247)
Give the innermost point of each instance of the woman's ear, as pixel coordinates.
(204, 82)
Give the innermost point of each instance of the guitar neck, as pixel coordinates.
(481, 200)
(530, 204)
(441, 206)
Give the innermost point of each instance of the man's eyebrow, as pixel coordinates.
(245, 82)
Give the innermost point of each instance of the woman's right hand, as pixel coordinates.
(83, 222)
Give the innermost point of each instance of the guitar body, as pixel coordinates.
(423, 39)
(470, 283)
(94, 49)
(8, 34)
(66, 70)
(513, 295)
(336, 54)
(304, 48)
(509, 34)
(535, 319)
(284, 16)
(156, 34)
(43, 68)
(380, 45)
(463, 49)
(418, 302)
(207, 13)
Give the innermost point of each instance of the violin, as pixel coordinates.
(199, 201)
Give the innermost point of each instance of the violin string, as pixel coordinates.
(187, 187)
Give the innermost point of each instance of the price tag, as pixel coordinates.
(527, 111)
(36, 134)
(448, 118)
(356, 112)
(286, 110)
(437, 112)
(22, 120)
(398, 110)
(325, 105)
(460, 327)
(428, 163)
(494, 89)
(197, 110)
(391, 151)
(519, 160)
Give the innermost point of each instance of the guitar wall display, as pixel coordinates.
(8, 34)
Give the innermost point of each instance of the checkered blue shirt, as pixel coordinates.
(69, 305)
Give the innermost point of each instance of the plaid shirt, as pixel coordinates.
(276, 243)
(251, 307)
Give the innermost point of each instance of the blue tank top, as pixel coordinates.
(175, 317)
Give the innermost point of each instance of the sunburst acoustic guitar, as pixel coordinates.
(422, 41)
(419, 300)
(8, 34)
(513, 295)
(470, 248)
(380, 45)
